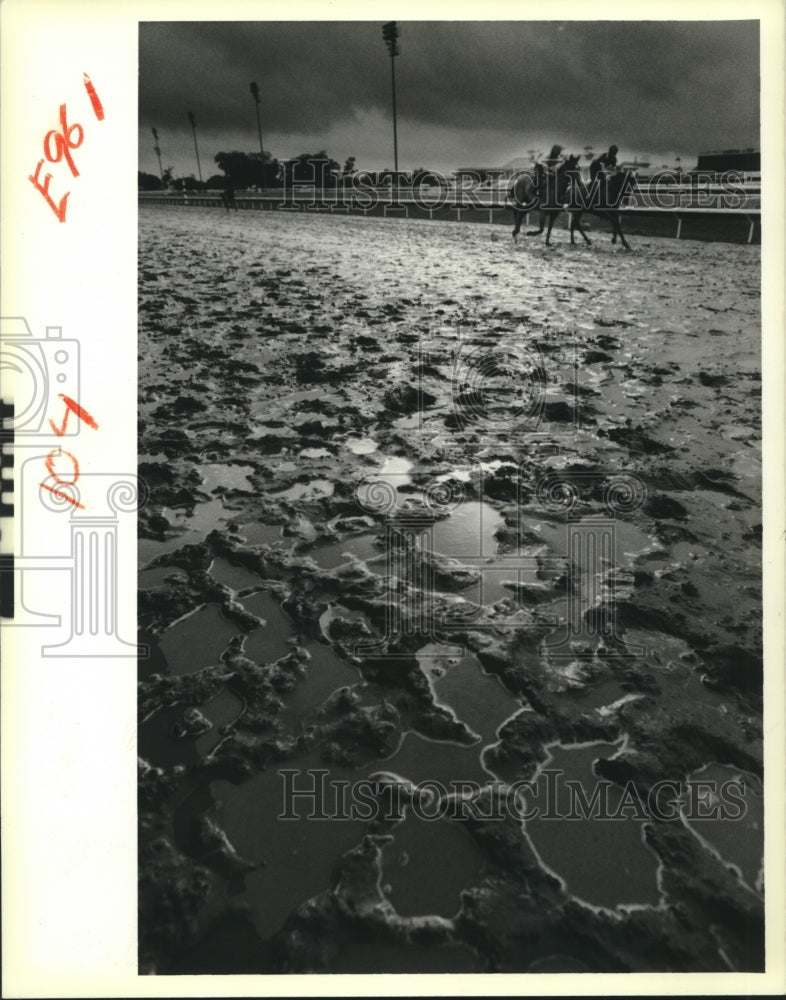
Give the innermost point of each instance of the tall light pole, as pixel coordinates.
(158, 154)
(196, 148)
(390, 34)
(255, 94)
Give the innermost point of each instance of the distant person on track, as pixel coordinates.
(228, 195)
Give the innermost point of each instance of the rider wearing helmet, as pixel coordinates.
(546, 169)
(604, 163)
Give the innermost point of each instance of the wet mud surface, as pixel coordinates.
(427, 506)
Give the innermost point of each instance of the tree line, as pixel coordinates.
(248, 170)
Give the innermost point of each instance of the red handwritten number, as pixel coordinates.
(58, 145)
(98, 107)
(50, 468)
(60, 208)
(72, 407)
(62, 142)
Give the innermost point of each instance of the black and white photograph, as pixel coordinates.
(451, 575)
(392, 522)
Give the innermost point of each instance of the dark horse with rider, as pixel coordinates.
(556, 185)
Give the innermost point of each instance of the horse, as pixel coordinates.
(546, 193)
(603, 198)
(228, 196)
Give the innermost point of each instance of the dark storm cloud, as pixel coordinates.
(653, 84)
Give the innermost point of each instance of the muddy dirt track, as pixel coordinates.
(430, 504)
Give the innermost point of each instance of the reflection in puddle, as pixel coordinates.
(256, 533)
(361, 446)
(312, 490)
(332, 555)
(469, 535)
(395, 471)
(229, 477)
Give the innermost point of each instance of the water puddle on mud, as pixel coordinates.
(420, 759)
(270, 643)
(333, 554)
(477, 699)
(157, 744)
(395, 470)
(205, 518)
(733, 804)
(602, 861)
(326, 673)
(231, 575)
(630, 542)
(149, 579)
(230, 477)
(312, 490)
(256, 533)
(197, 641)
(361, 446)
(413, 879)
(469, 536)
(295, 857)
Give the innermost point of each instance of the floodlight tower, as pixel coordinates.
(390, 34)
(196, 148)
(158, 154)
(255, 94)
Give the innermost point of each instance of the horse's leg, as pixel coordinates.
(537, 232)
(517, 219)
(552, 217)
(576, 223)
(617, 223)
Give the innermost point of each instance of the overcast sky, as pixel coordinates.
(468, 93)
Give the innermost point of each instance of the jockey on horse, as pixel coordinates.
(546, 173)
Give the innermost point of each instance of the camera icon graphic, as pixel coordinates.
(33, 371)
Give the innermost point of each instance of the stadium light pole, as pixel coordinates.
(255, 94)
(390, 34)
(196, 148)
(158, 154)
